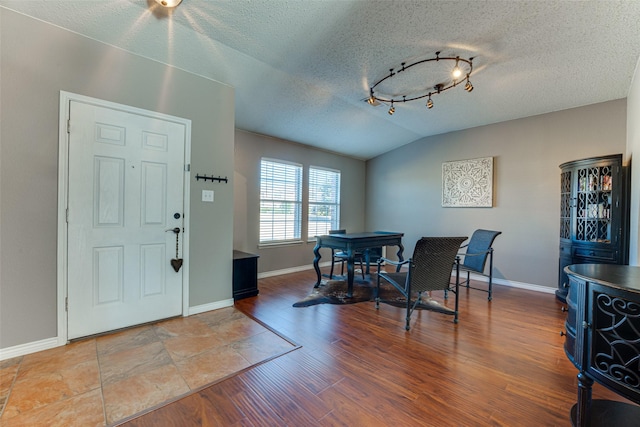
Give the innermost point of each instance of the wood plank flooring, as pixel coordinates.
(502, 365)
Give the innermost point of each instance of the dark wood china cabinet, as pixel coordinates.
(593, 214)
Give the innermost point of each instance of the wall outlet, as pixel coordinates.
(207, 196)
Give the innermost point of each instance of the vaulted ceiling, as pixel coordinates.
(302, 69)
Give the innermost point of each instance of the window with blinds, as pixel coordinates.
(324, 201)
(280, 201)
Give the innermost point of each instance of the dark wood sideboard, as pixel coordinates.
(245, 275)
(603, 341)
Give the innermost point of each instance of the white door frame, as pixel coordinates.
(63, 199)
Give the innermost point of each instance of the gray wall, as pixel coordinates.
(37, 60)
(404, 186)
(249, 149)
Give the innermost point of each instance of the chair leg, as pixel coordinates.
(378, 294)
(455, 315)
(407, 327)
(490, 297)
(490, 274)
(362, 268)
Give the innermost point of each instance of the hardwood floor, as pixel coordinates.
(502, 365)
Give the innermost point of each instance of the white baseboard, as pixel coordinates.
(28, 348)
(514, 284)
(46, 344)
(478, 277)
(211, 306)
(291, 270)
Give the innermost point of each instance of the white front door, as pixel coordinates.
(125, 190)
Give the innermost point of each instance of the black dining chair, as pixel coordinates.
(474, 259)
(429, 270)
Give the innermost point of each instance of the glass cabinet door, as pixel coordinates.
(593, 204)
(565, 205)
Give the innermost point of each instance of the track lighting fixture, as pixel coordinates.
(372, 99)
(429, 102)
(461, 71)
(468, 87)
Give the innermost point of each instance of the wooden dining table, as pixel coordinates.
(350, 243)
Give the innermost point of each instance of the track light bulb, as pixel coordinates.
(391, 111)
(457, 72)
(371, 100)
(429, 104)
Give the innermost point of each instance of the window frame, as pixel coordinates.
(297, 203)
(333, 206)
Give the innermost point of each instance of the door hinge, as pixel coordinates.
(187, 167)
(69, 126)
(66, 214)
(66, 303)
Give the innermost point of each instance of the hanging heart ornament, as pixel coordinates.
(176, 263)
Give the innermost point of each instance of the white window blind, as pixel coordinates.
(280, 201)
(324, 201)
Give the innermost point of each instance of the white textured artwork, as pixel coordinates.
(468, 183)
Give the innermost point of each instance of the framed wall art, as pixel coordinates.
(468, 183)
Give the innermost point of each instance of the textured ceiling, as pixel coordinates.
(301, 68)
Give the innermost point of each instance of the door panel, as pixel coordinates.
(126, 175)
(107, 275)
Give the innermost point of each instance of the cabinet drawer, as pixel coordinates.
(594, 253)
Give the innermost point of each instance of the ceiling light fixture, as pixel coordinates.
(168, 3)
(461, 72)
(429, 102)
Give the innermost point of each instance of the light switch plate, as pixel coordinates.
(207, 196)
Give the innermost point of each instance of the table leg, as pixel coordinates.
(316, 267)
(399, 255)
(350, 272)
(583, 414)
(367, 257)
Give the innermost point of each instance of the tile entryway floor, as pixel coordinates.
(102, 380)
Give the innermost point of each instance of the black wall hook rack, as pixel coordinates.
(212, 178)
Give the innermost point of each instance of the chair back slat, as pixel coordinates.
(432, 260)
(480, 243)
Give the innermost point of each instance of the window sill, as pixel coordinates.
(279, 244)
